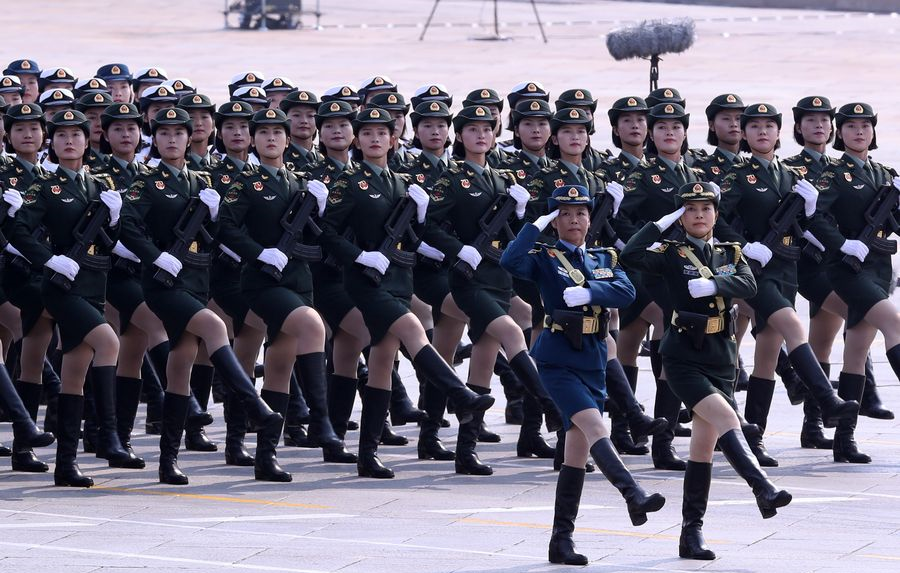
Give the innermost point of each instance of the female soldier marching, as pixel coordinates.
(699, 350)
(571, 354)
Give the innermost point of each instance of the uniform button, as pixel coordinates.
(712, 305)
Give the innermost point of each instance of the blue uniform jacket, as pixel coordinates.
(609, 287)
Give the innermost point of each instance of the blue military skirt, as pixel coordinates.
(573, 389)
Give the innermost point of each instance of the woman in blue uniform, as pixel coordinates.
(699, 350)
(571, 353)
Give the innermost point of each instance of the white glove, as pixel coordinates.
(430, 252)
(701, 287)
(320, 192)
(667, 221)
(11, 249)
(273, 257)
(420, 198)
(230, 253)
(896, 182)
(813, 240)
(855, 248)
(758, 252)
(168, 263)
(211, 199)
(375, 260)
(14, 199)
(617, 192)
(119, 249)
(113, 200)
(469, 255)
(63, 265)
(521, 196)
(544, 220)
(577, 296)
(810, 195)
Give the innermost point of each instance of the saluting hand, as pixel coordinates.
(544, 220)
(521, 196)
(617, 192)
(113, 200)
(666, 221)
(210, 198)
(14, 199)
(810, 196)
(420, 198)
(576, 296)
(318, 190)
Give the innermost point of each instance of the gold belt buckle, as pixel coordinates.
(787, 240)
(194, 248)
(399, 246)
(495, 244)
(589, 325)
(715, 324)
(91, 249)
(880, 234)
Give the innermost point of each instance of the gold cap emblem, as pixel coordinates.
(762, 109)
(303, 96)
(94, 83)
(60, 73)
(730, 99)
(254, 92)
(98, 98)
(579, 94)
(171, 114)
(631, 102)
(479, 111)
(573, 113)
(392, 98)
(123, 108)
(531, 88)
(485, 93)
(668, 93)
(178, 85)
(152, 73)
(858, 109)
(162, 91)
(7, 82)
(434, 106)
(698, 188)
(250, 78)
(535, 106)
(434, 90)
(335, 107)
(817, 102)
(26, 109)
(379, 81)
(197, 99)
(26, 65)
(670, 108)
(68, 116)
(345, 91)
(270, 114)
(376, 114)
(573, 192)
(57, 94)
(236, 107)
(277, 82)
(116, 70)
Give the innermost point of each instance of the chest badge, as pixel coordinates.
(258, 185)
(269, 197)
(559, 183)
(465, 183)
(55, 190)
(375, 195)
(848, 177)
(13, 181)
(666, 189)
(602, 273)
(520, 174)
(326, 179)
(363, 185)
(726, 270)
(68, 199)
(420, 178)
(751, 179)
(171, 196)
(160, 185)
(656, 179)
(226, 179)
(715, 169)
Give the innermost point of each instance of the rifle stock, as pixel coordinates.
(494, 220)
(295, 219)
(880, 220)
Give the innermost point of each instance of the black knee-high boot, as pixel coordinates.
(52, 387)
(90, 429)
(259, 413)
(108, 445)
(817, 384)
(792, 383)
(23, 458)
(467, 461)
(667, 405)
(175, 407)
(153, 376)
(756, 411)
(629, 409)
(737, 452)
(430, 446)
(195, 438)
(631, 373)
(870, 405)
(639, 503)
(512, 388)
(375, 402)
(691, 544)
(429, 364)
(845, 448)
(569, 485)
(527, 372)
(341, 395)
(236, 453)
(128, 397)
(531, 442)
(812, 433)
(402, 409)
(266, 467)
(298, 414)
(67, 472)
(310, 371)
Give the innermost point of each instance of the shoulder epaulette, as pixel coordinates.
(608, 251)
(737, 250)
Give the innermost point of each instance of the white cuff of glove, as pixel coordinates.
(576, 296)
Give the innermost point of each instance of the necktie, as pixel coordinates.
(79, 184)
(543, 162)
(867, 167)
(776, 175)
(577, 258)
(682, 175)
(386, 177)
(707, 253)
(132, 170)
(823, 161)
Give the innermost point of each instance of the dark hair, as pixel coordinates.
(104, 143)
(356, 152)
(711, 137)
(7, 143)
(798, 137)
(51, 155)
(418, 144)
(839, 141)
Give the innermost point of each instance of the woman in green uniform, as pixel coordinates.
(848, 189)
(363, 199)
(92, 106)
(460, 198)
(751, 193)
(154, 205)
(396, 104)
(202, 112)
(699, 350)
(74, 291)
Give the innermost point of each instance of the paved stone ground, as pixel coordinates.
(428, 520)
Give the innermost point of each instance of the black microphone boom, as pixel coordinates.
(649, 39)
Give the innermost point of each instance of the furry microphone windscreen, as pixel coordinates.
(651, 38)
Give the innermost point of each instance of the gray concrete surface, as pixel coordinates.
(429, 520)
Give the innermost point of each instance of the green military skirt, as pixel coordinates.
(776, 288)
(331, 298)
(380, 305)
(273, 300)
(123, 290)
(861, 291)
(176, 306)
(22, 287)
(225, 290)
(694, 377)
(431, 284)
(77, 311)
(813, 283)
(484, 298)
